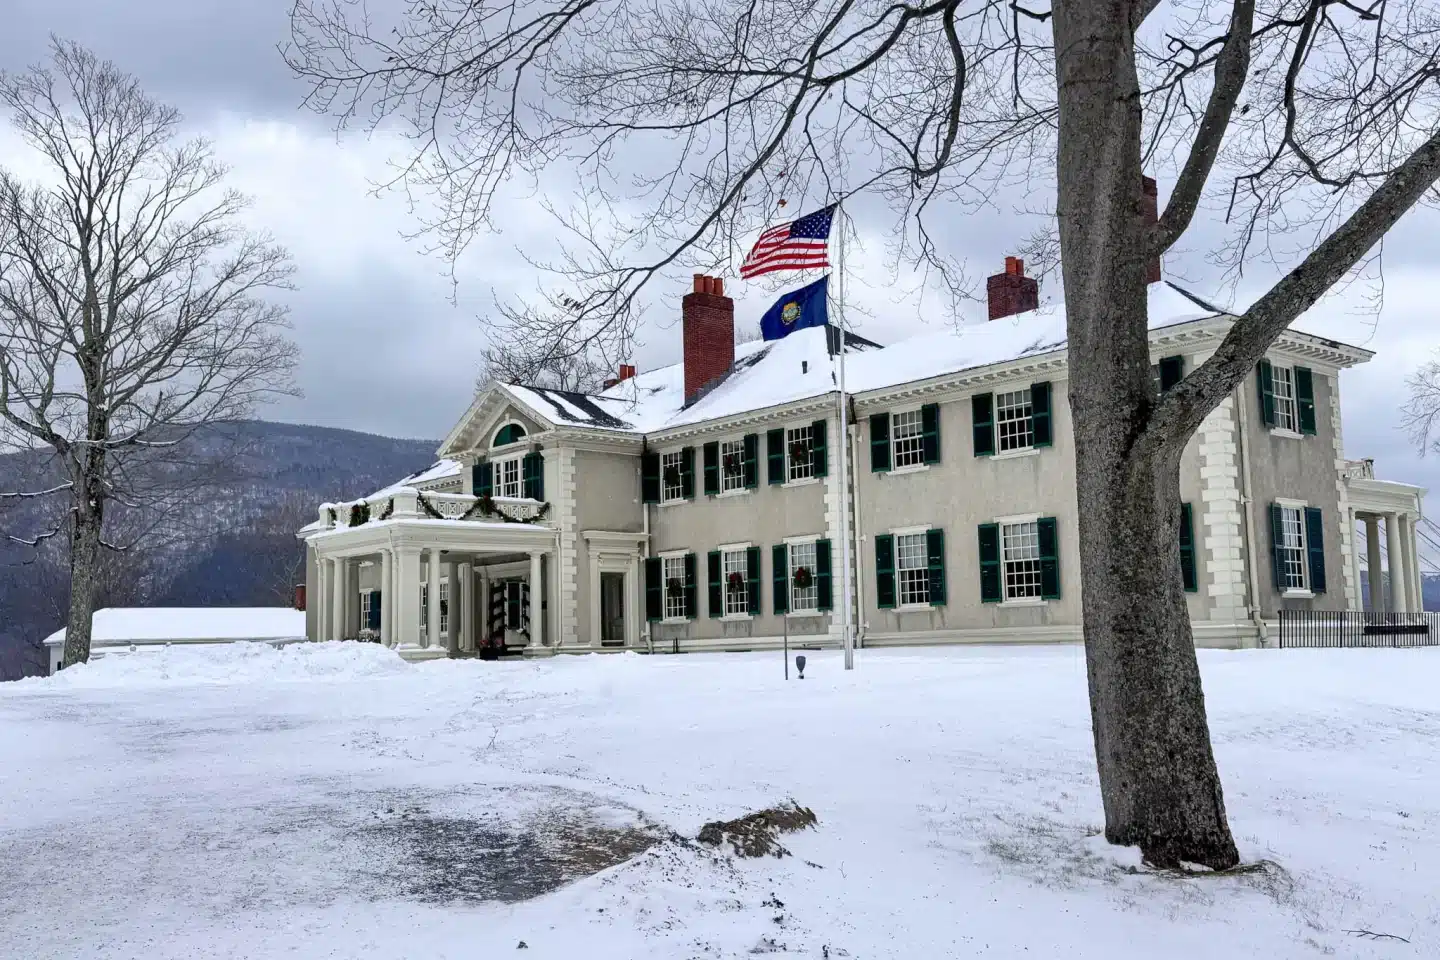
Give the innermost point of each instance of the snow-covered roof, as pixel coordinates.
(439, 470)
(122, 625)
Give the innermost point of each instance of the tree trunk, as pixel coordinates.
(84, 573)
(1158, 778)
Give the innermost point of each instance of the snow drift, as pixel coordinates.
(229, 663)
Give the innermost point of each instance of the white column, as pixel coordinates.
(1412, 564)
(1355, 559)
(321, 601)
(537, 625)
(407, 597)
(467, 607)
(338, 589)
(482, 609)
(432, 615)
(1372, 557)
(1395, 552)
(387, 598)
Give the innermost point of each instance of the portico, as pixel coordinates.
(1397, 507)
(427, 586)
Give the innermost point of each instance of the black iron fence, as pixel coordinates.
(1324, 628)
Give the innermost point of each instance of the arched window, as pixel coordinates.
(509, 433)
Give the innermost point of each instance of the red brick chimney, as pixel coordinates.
(300, 597)
(709, 322)
(1150, 198)
(626, 372)
(1012, 292)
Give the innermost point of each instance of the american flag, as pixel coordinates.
(799, 245)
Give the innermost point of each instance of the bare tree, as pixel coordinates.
(133, 305)
(1421, 413)
(1308, 125)
(512, 362)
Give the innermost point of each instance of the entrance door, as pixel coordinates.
(612, 609)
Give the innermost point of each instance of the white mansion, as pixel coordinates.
(698, 507)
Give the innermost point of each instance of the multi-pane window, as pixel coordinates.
(803, 599)
(1014, 426)
(364, 609)
(672, 482)
(907, 431)
(507, 478)
(1292, 545)
(674, 588)
(444, 607)
(732, 465)
(1020, 553)
(1283, 381)
(912, 568)
(424, 607)
(735, 573)
(799, 453)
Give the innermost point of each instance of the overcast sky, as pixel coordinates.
(388, 346)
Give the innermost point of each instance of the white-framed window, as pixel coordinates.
(444, 607)
(912, 569)
(364, 609)
(807, 600)
(1020, 559)
(674, 587)
(732, 465)
(800, 453)
(424, 607)
(506, 477)
(737, 600)
(1282, 380)
(1294, 570)
(672, 484)
(907, 440)
(1014, 423)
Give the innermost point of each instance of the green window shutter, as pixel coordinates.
(824, 578)
(715, 594)
(982, 415)
(879, 442)
(687, 473)
(751, 466)
(654, 590)
(775, 455)
(820, 448)
(1305, 399)
(1265, 380)
(1277, 539)
(691, 601)
(752, 592)
(482, 478)
(935, 561)
(373, 621)
(1187, 550)
(1315, 547)
(930, 432)
(650, 478)
(1040, 414)
(1049, 559)
(1172, 371)
(532, 473)
(990, 589)
(710, 458)
(780, 575)
(885, 571)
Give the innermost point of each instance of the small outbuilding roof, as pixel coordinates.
(114, 626)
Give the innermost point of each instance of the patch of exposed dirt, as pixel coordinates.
(757, 834)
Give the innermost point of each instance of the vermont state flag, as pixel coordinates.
(795, 310)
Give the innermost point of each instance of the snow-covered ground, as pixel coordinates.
(329, 801)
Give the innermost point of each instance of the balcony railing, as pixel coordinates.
(1360, 469)
(410, 504)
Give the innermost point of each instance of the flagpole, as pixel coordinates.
(847, 634)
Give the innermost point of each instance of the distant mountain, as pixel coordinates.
(1429, 590)
(240, 547)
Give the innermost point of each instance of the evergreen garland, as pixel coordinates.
(360, 513)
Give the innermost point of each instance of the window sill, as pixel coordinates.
(1025, 602)
(674, 620)
(913, 468)
(734, 617)
(737, 492)
(914, 607)
(1015, 454)
(1298, 595)
(804, 614)
(672, 503)
(804, 482)
(1287, 434)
